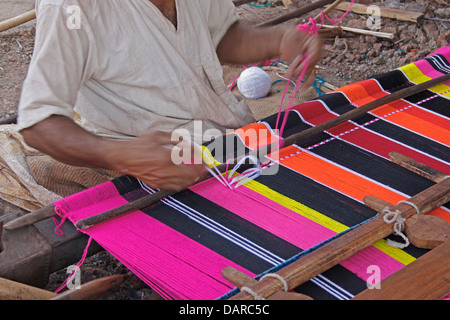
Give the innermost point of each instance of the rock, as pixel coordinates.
(393, 4)
(443, 13)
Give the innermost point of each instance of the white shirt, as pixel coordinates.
(126, 70)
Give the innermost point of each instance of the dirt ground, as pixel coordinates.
(346, 59)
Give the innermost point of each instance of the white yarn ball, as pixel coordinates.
(254, 83)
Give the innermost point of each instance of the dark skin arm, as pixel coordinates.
(244, 44)
(149, 157)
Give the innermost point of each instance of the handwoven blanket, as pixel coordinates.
(180, 245)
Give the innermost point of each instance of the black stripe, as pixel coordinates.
(442, 60)
(306, 191)
(338, 103)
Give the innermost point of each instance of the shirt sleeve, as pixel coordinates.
(58, 67)
(221, 15)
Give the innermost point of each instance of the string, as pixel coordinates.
(77, 267)
(313, 29)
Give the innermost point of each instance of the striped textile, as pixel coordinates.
(180, 245)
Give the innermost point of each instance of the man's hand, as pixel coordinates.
(301, 50)
(244, 44)
(149, 158)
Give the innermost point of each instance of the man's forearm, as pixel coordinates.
(244, 44)
(67, 142)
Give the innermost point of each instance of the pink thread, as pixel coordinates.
(312, 29)
(58, 226)
(75, 270)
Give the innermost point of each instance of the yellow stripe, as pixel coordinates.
(415, 75)
(323, 220)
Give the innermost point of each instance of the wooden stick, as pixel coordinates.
(16, 21)
(427, 278)
(12, 290)
(327, 9)
(417, 167)
(92, 290)
(295, 138)
(385, 35)
(30, 218)
(295, 13)
(348, 244)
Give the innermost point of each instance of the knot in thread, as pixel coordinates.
(395, 217)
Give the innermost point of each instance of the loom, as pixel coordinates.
(324, 204)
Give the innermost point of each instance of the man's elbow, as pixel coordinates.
(30, 136)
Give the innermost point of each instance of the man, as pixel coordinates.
(135, 71)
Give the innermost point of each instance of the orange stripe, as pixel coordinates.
(422, 122)
(420, 125)
(255, 135)
(341, 180)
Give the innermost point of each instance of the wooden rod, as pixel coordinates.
(30, 218)
(296, 13)
(16, 21)
(417, 167)
(347, 245)
(293, 139)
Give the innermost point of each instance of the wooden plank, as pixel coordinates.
(295, 13)
(390, 13)
(30, 218)
(427, 278)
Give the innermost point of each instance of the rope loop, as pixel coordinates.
(269, 275)
(396, 218)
